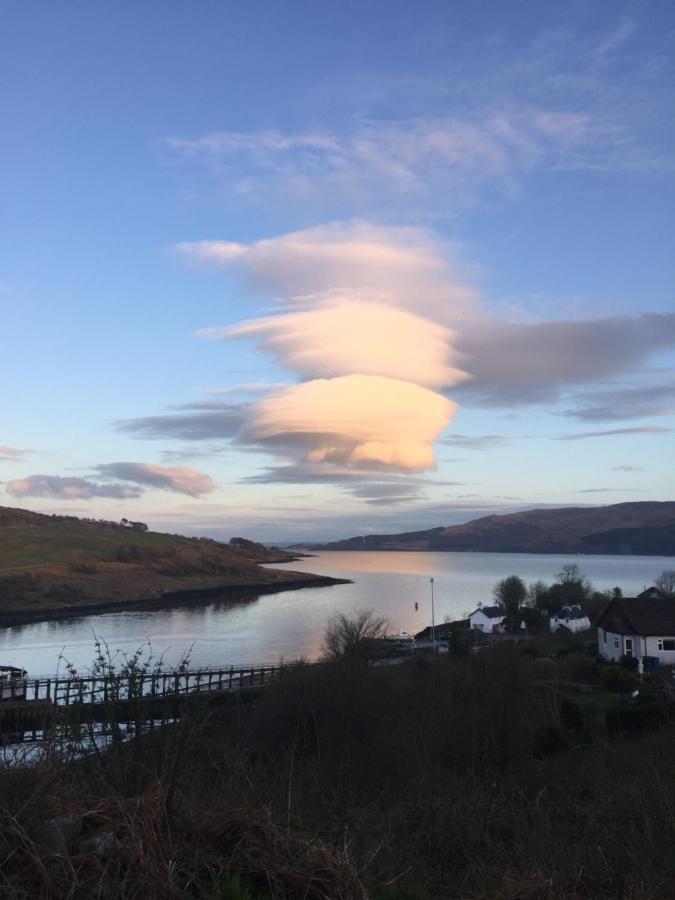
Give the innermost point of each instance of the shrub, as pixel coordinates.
(578, 667)
(618, 680)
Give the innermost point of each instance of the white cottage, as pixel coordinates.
(489, 619)
(570, 618)
(629, 626)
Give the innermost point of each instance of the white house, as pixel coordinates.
(629, 626)
(570, 618)
(488, 619)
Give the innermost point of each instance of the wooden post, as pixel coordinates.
(231, 673)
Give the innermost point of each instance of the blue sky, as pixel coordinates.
(455, 221)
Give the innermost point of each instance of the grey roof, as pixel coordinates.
(571, 612)
(492, 612)
(632, 615)
(652, 593)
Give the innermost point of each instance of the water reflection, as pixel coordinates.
(288, 625)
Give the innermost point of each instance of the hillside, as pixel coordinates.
(58, 565)
(646, 528)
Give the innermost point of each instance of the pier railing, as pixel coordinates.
(66, 691)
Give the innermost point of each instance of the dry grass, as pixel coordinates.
(456, 779)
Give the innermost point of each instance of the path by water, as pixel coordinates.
(290, 624)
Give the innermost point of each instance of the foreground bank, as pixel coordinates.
(498, 774)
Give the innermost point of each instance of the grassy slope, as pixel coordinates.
(30, 546)
(49, 563)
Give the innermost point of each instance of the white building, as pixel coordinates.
(630, 626)
(570, 618)
(489, 619)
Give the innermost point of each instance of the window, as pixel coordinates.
(665, 644)
(604, 639)
(616, 641)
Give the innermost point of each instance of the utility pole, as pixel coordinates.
(433, 618)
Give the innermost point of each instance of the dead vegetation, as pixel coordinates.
(466, 777)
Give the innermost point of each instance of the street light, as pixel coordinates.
(433, 619)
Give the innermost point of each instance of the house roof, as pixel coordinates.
(570, 612)
(651, 593)
(491, 612)
(632, 615)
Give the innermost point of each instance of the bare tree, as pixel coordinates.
(535, 591)
(510, 593)
(350, 636)
(666, 583)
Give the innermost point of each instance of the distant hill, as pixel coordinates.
(646, 528)
(59, 565)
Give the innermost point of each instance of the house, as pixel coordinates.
(629, 626)
(488, 619)
(651, 593)
(570, 618)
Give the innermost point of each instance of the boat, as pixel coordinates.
(12, 683)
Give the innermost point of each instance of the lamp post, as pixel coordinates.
(433, 618)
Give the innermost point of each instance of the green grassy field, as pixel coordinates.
(59, 542)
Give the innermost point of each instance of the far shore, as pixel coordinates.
(187, 597)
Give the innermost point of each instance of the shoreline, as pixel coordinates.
(186, 597)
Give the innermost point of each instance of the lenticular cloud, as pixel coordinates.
(367, 321)
(366, 420)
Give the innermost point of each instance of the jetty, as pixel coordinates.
(30, 709)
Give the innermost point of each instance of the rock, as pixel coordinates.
(104, 844)
(70, 826)
(49, 838)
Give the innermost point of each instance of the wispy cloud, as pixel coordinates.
(187, 426)
(475, 441)
(13, 453)
(641, 402)
(430, 158)
(582, 435)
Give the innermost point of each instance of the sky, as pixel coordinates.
(304, 270)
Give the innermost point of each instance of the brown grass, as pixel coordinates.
(452, 779)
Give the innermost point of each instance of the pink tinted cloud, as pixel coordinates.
(354, 420)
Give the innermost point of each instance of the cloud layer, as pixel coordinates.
(344, 336)
(182, 480)
(128, 481)
(57, 487)
(515, 363)
(366, 319)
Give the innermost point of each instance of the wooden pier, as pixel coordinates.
(32, 706)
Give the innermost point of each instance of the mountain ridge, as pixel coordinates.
(641, 528)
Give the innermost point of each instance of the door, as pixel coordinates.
(628, 646)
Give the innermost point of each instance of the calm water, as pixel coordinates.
(290, 624)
